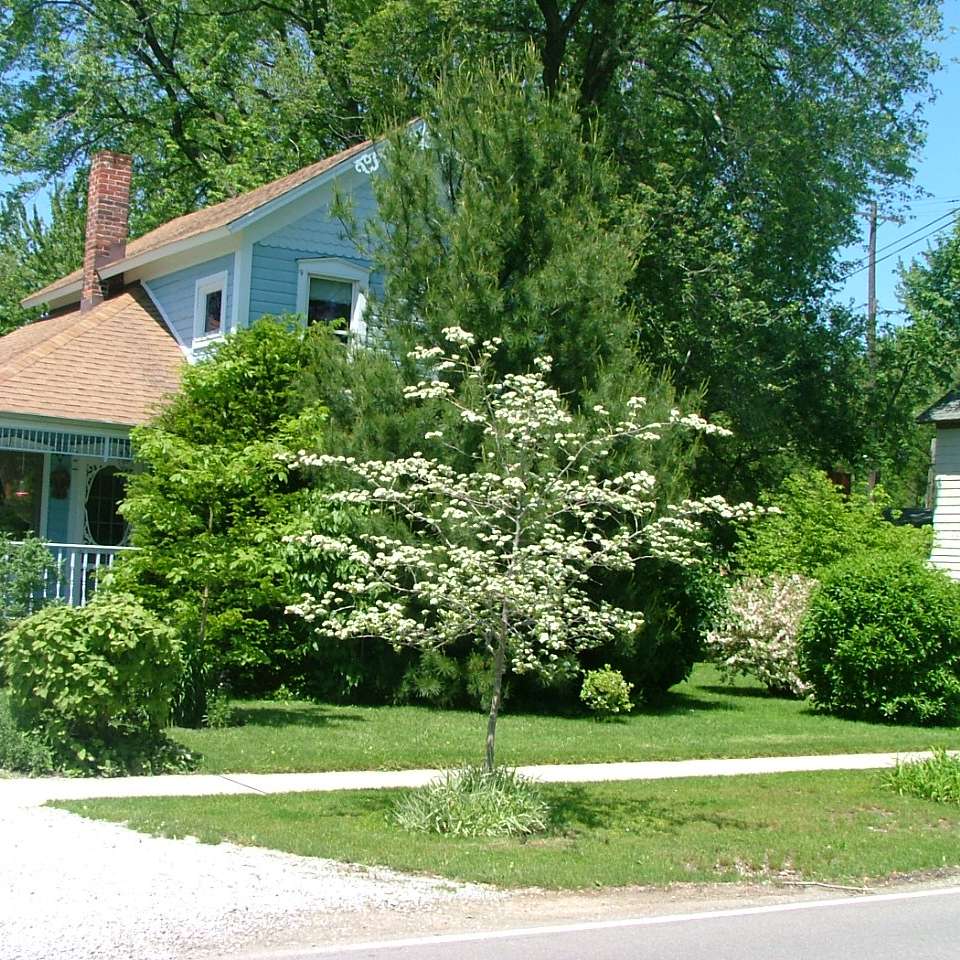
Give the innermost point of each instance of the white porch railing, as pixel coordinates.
(79, 566)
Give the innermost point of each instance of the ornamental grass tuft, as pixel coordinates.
(474, 802)
(935, 778)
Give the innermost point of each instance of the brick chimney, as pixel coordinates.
(108, 207)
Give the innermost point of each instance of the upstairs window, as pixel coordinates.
(331, 301)
(210, 307)
(333, 291)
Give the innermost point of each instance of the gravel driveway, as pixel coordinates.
(75, 888)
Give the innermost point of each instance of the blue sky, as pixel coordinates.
(938, 173)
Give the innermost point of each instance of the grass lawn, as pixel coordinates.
(700, 718)
(829, 827)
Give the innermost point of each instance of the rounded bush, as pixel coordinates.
(606, 693)
(882, 641)
(96, 681)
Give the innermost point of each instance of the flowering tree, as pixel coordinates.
(503, 554)
(759, 635)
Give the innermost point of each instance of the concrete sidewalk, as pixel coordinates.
(32, 792)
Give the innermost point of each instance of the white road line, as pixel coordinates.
(614, 924)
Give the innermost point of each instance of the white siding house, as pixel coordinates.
(945, 414)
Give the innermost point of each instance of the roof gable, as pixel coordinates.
(945, 410)
(229, 214)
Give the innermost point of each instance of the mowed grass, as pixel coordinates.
(827, 827)
(700, 718)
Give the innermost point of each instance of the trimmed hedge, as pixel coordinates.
(882, 641)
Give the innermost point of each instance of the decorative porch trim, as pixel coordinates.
(27, 439)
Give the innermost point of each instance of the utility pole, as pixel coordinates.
(873, 475)
(872, 294)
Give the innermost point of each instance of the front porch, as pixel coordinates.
(63, 483)
(75, 571)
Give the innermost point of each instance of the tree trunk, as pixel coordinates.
(496, 692)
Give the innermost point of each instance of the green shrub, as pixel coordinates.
(435, 678)
(474, 803)
(758, 634)
(95, 683)
(679, 605)
(25, 568)
(882, 641)
(818, 525)
(936, 778)
(20, 750)
(606, 693)
(211, 508)
(221, 712)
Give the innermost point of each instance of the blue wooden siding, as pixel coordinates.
(176, 293)
(274, 262)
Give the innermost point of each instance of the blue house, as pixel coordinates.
(117, 332)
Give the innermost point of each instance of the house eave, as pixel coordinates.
(61, 297)
(297, 193)
(28, 433)
(70, 293)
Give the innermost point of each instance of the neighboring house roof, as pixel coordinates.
(201, 221)
(945, 410)
(112, 364)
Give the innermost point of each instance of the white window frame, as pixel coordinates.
(204, 287)
(342, 271)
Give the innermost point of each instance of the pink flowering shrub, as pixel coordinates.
(758, 636)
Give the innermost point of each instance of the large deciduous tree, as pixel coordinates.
(34, 252)
(917, 362)
(749, 132)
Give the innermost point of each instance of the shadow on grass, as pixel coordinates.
(576, 808)
(758, 693)
(673, 703)
(294, 715)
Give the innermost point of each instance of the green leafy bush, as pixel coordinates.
(95, 683)
(221, 713)
(679, 605)
(758, 635)
(606, 693)
(20, 750)
(882, 641)
(25, 568)
(472, 802)
(211, 508)
(936, 778)
(817, 525)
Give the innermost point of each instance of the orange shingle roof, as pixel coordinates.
(113, 364)
(210, 218)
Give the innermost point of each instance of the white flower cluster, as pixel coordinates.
(759, 635)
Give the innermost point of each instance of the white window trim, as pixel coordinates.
(335, 268)
(204, 287)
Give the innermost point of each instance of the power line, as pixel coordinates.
(955, 214)
(905, 236)
(929, 223)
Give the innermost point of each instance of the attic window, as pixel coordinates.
(210, 306)
(333, 291)
(330, 301)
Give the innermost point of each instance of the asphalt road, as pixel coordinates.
(915, 925)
